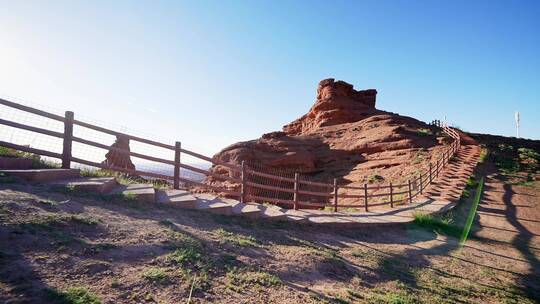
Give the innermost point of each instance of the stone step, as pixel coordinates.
(99, 185)
(142, 192)
(252, 211)
(178, 198)
(15, 163)
(297, 216)
(214, 207)
(44, 175)
(273, 213)
(212, 203)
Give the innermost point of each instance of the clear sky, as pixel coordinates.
(210, 73)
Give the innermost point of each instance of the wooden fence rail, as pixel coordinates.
(239, 174)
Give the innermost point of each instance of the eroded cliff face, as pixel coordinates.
(344, 136)
(337, 103)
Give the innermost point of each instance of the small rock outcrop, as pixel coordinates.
(337, 103)
(117, 159)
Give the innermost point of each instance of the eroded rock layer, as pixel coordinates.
(344, 136)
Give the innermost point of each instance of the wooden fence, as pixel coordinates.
(239, 174)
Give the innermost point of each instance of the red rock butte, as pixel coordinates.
(337, 102)
(342, 136)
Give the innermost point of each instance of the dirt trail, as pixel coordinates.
(125, 252)
(509, 215)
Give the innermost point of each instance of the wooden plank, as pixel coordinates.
(378, 194)
(350, 195)
(213, 161)
(124, 170)
(400, 192)
(115, 133)
(268, 199)
(134, 154)
(322, 194)
(31, 110)
(274, 177)
(318, 184)
(155, 175)
(273, 188)
(30, 128)
(209, 173)
(30, 150)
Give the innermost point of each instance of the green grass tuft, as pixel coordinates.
(236, 239)
(423, 132)
(156, 275)
(240, 279)
(74, 295)
(437, 224)
(188, 252)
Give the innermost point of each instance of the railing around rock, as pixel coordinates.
(242, 175)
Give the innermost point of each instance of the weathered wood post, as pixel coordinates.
(444, 158)
(410, 191)
(295, 197)
(177, 149)
(365, 197)
(243, 189)
(420, 185)
(335, 194)
(391, 196)
(68, 139)
(430, 173)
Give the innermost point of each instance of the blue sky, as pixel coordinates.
(210, 73)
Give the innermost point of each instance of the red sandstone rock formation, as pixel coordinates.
(118, 159)
(337, 103)
(343, 136)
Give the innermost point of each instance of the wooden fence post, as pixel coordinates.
(295, 197)
(68, 140)
(420, 185)
(177, 148)
(410, 192)
(335, 195)
(365, 197)
(430, 173)
(444, 158)
(243, 190)
(391, 196)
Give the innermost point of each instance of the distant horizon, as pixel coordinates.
(210, 74)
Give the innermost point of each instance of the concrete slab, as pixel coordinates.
(297, 216)
(100, 185)
(44, 175)
(273, 213)
(142, 192)
(179, 198)
(214, 207)
(252, 211)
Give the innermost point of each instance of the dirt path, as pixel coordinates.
(509, 215)
(126, 252)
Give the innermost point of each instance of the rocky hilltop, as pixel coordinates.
(344, 136)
